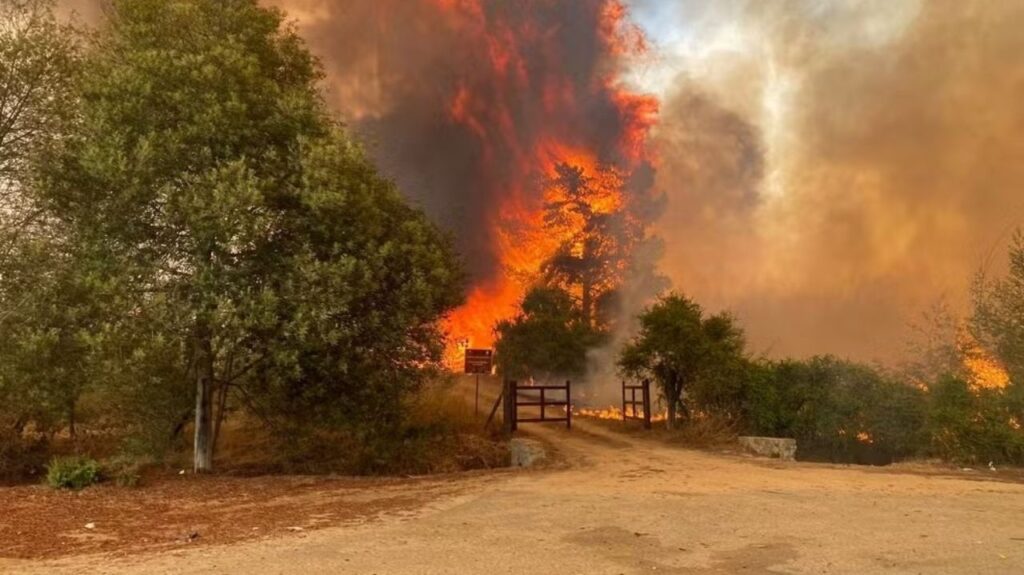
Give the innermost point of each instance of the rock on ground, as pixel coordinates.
(526, 452)
(782, 448)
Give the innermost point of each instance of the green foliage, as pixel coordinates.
(38, 58)
(73, 472)
(974, 426)
(41, 352)
(439, 434)
(202, 223)
(125, 469)
(837, 410)
(684, 350)
(549, 338)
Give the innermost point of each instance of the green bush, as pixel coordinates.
(837, 410)
(125, 469)
(974, 425)
(72, 472)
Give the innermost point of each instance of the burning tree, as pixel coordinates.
(586, 210)
(490, 80)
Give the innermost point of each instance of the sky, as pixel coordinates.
(832, 169)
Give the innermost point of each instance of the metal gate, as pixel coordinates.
(630, 406)
(529, 396)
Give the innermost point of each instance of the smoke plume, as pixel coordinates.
(831, 168)
(834, 168)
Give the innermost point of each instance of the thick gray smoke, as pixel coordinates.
(833, 168)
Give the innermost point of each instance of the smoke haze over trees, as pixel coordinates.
(824, 162)
(834, 168)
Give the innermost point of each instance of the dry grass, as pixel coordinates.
(440, 434)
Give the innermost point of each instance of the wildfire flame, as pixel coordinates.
(615, 413)
(984, 371)
(515, 164)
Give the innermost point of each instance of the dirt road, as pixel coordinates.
(621, 505)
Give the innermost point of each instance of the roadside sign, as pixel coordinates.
(479, 361)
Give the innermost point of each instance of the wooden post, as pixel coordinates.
(568, 404)
(476, 404)
(514, 396)
(647, 403)
(543, 408)
(510, 406)
(623, 400)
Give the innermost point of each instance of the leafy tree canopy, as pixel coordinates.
(550, 337)
(237, 239)
(678, 346)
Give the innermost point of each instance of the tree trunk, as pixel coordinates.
(203, 446)
(673, 392)
(222, 402)
(587, 286)
(72, 431)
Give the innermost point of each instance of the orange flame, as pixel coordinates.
(615, 413)
(523, 243)
(984, 371)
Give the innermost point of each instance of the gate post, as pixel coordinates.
(624, 416)
(509, 394)
(568, 404)
(647, 403)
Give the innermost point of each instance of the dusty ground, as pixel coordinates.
(173, 512)
(618, 504)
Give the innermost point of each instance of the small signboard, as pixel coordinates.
(479, 361)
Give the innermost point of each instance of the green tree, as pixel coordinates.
(249, 243)
(679, 346)
(37, 61)
(550, 337)
(42, 352)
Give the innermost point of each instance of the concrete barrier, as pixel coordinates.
(526, 452)
(778, 447)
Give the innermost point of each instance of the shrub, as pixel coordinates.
(836, 410)
(973, 425)
(72, 472)
(125, 469)
(439, 433)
